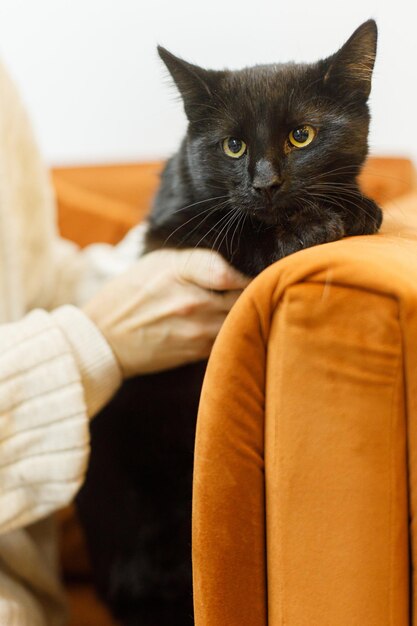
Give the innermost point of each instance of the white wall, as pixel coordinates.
(97, 92)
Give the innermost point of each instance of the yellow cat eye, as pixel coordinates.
(302, 136)
(233, 147)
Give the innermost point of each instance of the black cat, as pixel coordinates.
(268, 166)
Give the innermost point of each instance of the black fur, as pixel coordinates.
(271, 202)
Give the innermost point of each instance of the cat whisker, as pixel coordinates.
(233, 222)
(188, 235)
(353, 190)
(342, 194)
(224, 229)
(336, 184)
(207, 211)
(338, 188)
(189, 206)
(344, 169)
(245, 215)
(354, 169)
(238, 223)
(223, 217)
(333, 202)
(336, 200)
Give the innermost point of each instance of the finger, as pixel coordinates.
(202, 337)
(212, 325)
(209, 270)
(223, 302)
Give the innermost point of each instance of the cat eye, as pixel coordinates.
(233, 147)
(302, 136)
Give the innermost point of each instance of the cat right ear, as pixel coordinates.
(349, 71)
(195, 84)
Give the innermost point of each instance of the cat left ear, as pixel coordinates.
(194, 83)
(349, 71)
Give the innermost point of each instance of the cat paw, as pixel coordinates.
(311, 234)
(367, 222)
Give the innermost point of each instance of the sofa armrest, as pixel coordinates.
(300, 489)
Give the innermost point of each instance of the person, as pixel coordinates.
(73, 325)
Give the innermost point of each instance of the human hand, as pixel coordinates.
(164, 311)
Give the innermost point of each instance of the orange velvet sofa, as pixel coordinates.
(305, 471)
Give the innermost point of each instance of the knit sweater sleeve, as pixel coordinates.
(55, 369)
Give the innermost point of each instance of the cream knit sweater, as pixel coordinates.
(56, 369)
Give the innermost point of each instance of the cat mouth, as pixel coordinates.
(274, 215)
(266, 215)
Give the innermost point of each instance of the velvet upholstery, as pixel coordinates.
(300, 495)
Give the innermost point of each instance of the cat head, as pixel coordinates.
(271, 137)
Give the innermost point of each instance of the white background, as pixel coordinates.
(97, 92)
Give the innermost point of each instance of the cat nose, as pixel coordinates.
(266, 178)
(267, 186)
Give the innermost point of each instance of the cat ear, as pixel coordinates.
(194, 83)
(349, 71)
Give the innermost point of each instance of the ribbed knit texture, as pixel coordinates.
(99, 370)
(43, 431)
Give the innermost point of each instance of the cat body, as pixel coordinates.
(268, 166)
